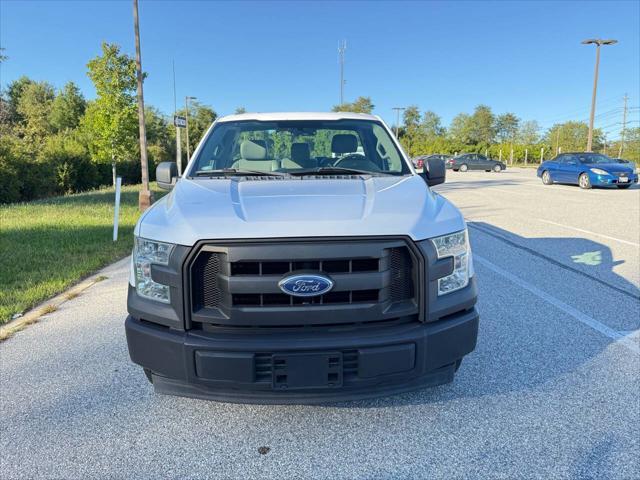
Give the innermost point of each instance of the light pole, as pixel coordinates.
(186, 107)
(398, 110)
(598, 43)
(145, 197)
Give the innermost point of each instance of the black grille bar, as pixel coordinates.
(237, 284)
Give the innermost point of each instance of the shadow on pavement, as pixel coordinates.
(531, 352)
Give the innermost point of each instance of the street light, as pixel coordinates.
(598, 43)
(186, 107)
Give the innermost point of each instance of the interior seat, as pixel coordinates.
(253, 156)
(344, 143)
(300, 157)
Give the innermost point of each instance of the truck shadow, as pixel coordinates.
(526, 343)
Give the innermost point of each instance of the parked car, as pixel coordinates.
(418, 162)
(587, 170)
(474, 161)
(265, 277)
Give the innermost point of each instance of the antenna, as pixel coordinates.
(341, 49)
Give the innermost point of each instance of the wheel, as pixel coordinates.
(624, 186)
(546, 178)
(147, 373)
(497, 168)
(463, 168)
(584, 182)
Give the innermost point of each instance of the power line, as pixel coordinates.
(572, 113)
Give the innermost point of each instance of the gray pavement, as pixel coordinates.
(552, 391)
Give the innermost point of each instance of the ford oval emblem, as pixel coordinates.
(305, 285)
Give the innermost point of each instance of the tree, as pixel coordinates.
(68, 108)
(431, 123)
(111, 120)
(160, 142)
(529, 132)
(3, 57)
(572, 137)
(506, 127)
(412, 131)
(34, 107)
(461, 129)
(240, 110)
(360, 105)
(13, 93)
(482, 125)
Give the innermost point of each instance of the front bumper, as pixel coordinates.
(287, 367)
(609, 180)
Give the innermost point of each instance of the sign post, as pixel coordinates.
(116, 210)
(179, 122)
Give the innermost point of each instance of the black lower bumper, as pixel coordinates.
(309, 367)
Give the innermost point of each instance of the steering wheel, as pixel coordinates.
(351, 156)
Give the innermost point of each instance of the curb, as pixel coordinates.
(52, 304)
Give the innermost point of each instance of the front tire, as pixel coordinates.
(584, 182)
(463, 168)
(497, 168)
(546, 178)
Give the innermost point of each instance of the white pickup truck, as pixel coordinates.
(300, 259)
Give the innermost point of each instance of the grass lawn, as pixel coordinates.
(48, 245)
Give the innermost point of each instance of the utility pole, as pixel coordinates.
(341, 49)
(175, 113)
(598, 43)
(186, 107)
(624, 126)
(398, 110)
(145, 197)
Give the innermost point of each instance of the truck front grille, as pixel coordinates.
(237, 284)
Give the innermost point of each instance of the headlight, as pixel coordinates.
(599, 171)
(145, 254)
(454, 245)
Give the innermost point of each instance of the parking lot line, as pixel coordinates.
(568, 309)
(633, 244)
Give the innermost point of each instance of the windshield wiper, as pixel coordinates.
(236, 171)
(335, 171)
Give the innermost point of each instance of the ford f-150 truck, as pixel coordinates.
(300, 259)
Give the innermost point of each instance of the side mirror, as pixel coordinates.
(167, 175)
(434, 171)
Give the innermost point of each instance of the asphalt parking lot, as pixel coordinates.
(552, 390)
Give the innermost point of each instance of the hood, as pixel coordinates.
(266, 207)
(612, 167)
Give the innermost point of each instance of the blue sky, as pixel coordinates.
(523, 57)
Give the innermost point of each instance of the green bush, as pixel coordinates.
(10, 182)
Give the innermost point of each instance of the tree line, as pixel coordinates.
(503, 136)
(56, 141)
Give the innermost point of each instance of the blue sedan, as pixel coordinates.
(587, 170)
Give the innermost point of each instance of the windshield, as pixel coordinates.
(589, 158)
(297, 147)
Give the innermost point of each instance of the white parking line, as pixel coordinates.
(589, 232)
(568, 309)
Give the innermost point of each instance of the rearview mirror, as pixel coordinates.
(167, 175)
(434, 171)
